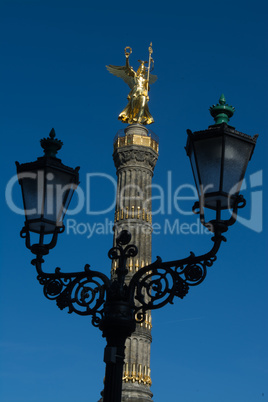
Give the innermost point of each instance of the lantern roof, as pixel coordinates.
(219, 129)
(51, 146)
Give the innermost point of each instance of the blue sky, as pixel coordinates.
(212, 346)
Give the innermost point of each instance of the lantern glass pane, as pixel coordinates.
(68, 197)
(33, 194)
(193, 164)
(236, 157)
(208, 157)
(59, 190)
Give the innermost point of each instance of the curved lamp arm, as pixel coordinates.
(82, 292)
(157, 284)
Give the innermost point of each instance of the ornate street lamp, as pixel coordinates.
(219, 157)
(47, 188)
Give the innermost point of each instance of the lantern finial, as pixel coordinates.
(51, 145)
(221, 112)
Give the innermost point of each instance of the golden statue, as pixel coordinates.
(137, 110)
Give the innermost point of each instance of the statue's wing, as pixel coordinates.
(152, 79)
(121, 72)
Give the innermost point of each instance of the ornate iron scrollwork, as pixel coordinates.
(84, 293)
(157, 284)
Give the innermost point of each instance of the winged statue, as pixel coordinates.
(137, 110)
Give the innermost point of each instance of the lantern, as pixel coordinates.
(219, 157)
(47, 188)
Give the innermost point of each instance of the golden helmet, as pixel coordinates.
(141, 69)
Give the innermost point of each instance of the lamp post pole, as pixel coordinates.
(219, 157)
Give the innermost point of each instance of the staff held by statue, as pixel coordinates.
(149, 65)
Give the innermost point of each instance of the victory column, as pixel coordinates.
(135, 156)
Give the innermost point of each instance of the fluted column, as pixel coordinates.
(135, 155)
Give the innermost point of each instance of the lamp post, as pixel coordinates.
(219, 157)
